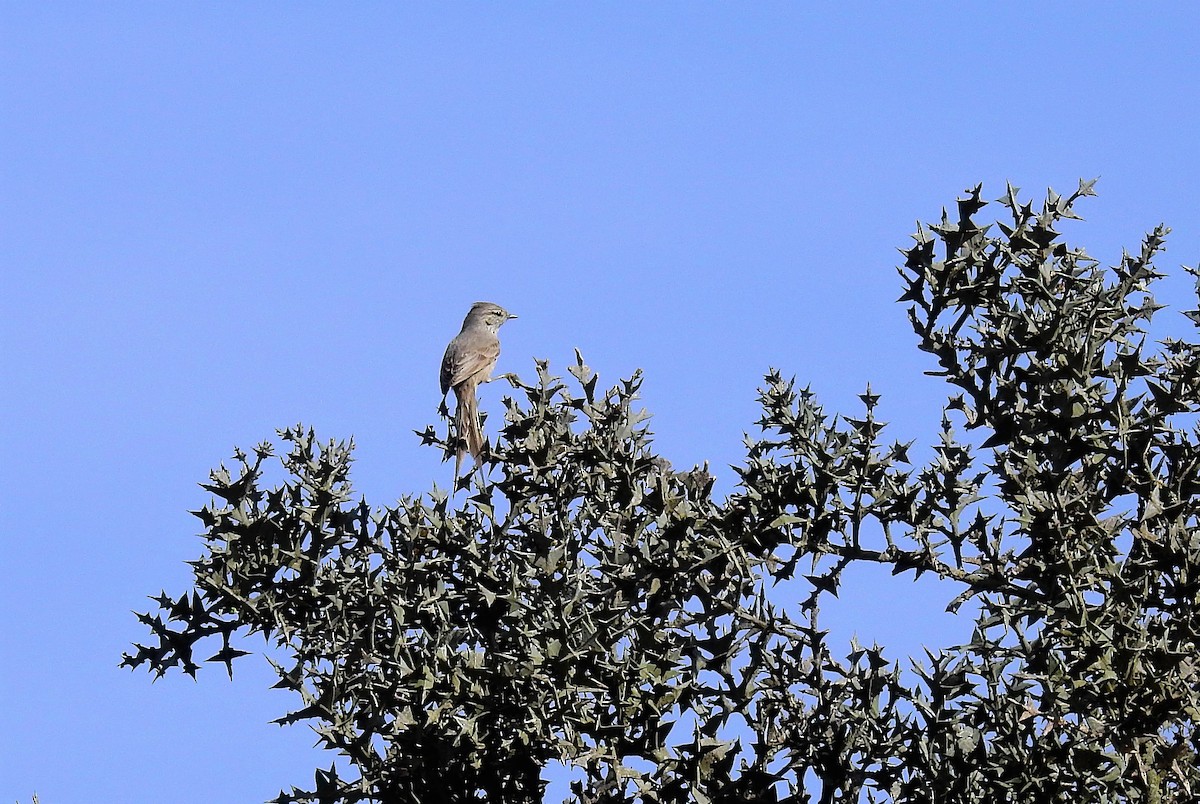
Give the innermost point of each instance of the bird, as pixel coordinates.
(469, 360)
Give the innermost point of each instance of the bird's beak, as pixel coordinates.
(510, 315)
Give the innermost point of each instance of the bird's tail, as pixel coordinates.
(466, 424)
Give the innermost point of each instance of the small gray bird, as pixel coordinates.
(468, 361)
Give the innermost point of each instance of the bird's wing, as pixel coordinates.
(468, 357)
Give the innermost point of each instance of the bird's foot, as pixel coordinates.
(513, 379)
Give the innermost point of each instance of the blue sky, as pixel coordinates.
(218, 219)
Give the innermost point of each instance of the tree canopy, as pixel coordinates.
(580, 601)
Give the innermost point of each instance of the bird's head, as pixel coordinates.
(489, 314)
